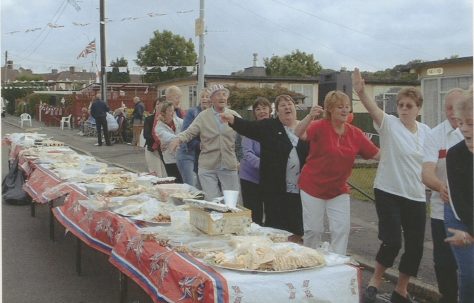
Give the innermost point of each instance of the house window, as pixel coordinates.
(434, 92)
(192, 91)
(267, 85)
(305, 90)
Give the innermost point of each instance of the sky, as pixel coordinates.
(369, 34)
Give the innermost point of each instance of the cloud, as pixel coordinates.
(371, 34)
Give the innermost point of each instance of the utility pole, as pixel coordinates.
(103, 59)
(5, 70)
(200, 30)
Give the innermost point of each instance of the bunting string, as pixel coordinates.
(107, 20)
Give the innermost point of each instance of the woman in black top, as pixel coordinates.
(458, 214)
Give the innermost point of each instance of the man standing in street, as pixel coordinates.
(99, 111)
(439, 140)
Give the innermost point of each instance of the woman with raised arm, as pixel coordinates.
(333, 147)
(400, 198)
(282, 154)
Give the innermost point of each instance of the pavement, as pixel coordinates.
(33, 265)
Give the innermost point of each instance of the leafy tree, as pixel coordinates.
(297, 64)
(12, 94)
(166, 49)
(398, 72)
(115, 76)
(241, 98)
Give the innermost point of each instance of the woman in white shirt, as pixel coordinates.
(399, 193)
(168, 129)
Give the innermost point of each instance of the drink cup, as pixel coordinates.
(231, 197)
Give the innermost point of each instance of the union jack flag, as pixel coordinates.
(90, 48)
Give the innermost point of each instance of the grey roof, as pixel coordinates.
(441, 62)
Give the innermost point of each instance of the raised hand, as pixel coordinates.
(357, 82)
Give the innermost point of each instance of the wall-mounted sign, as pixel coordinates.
(434, 71)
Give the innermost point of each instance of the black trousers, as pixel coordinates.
(253, 199)
(444, 263)
(397, 214)
(172, 171)
(284, 211)
(101, 123)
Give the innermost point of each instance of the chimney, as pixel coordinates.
(54, 71)
(71, 69)
(255, 59)
(9, 64)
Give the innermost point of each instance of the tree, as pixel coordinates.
(297, 64)
(243, 97)
(166, 49)
(115, 76)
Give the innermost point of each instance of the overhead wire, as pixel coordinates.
(282, 28)
(54, 19)
(404, 47)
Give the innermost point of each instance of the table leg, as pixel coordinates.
(123, 287)
(78, 256)
(51, 221)
(33, 208)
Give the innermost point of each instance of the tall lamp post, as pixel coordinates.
(200, 32)
(103, 59)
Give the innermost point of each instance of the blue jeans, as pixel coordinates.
(185, 159)
(445, 266)
(464, 256)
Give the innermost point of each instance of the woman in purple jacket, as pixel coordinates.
(250, 165)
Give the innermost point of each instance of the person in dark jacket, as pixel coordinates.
(99, 112)
(458, 213)
(282, 155)
(137, 119)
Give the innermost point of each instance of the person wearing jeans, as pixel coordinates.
(458, 214)
(439, 140)
(188, 153)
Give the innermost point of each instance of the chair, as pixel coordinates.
(66, 121)
(25, 117)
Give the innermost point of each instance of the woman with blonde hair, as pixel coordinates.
(168, 128)
(400, 198)
(458, 213)
(174, 94)
(333, 146)
(153, 155)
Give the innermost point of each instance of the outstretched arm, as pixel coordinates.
(359, 86)
(300, 129)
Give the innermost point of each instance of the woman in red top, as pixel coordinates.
(334, 145)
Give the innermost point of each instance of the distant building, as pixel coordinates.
(437, 78)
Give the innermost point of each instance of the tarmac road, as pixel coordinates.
(36, 269)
